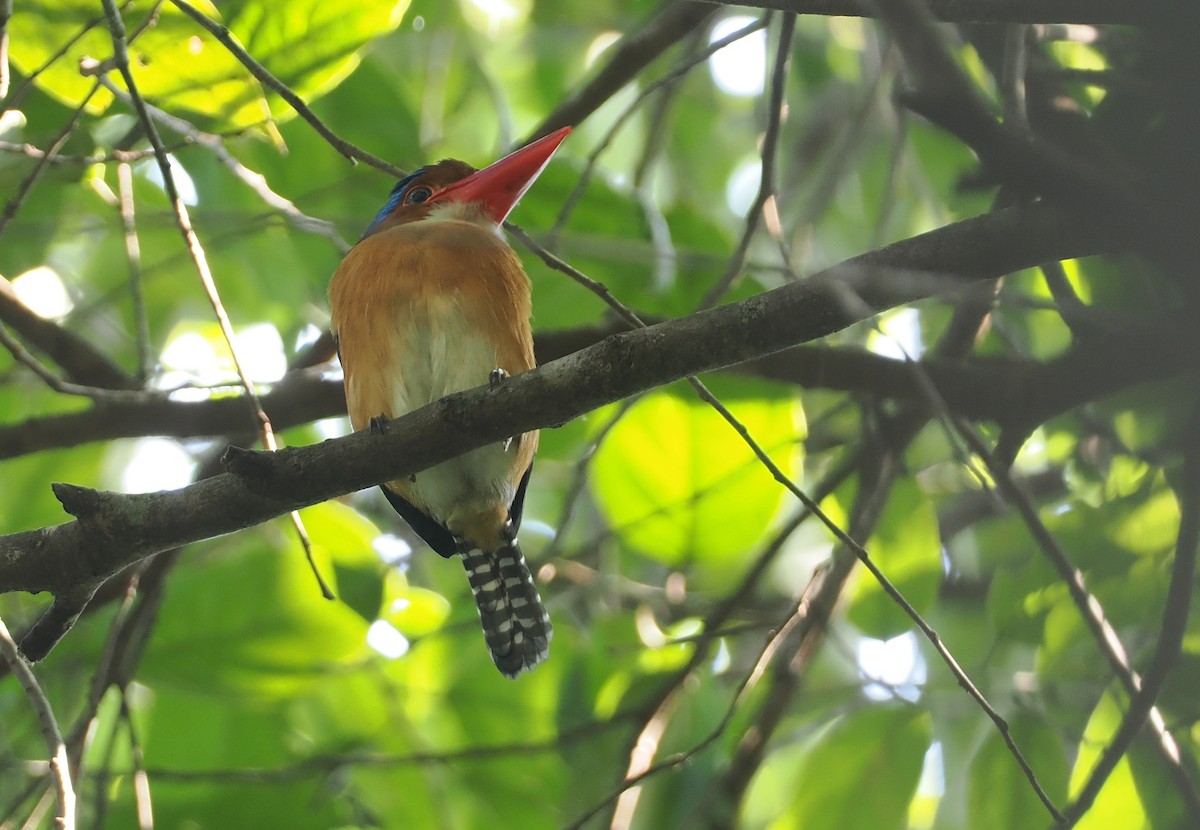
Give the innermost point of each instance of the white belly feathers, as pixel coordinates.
(448, 352)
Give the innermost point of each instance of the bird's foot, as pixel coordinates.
(496, 377)
(378, 424)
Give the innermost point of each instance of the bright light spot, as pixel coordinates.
(899, 335)
(385, 639)
(722, 660)
(740, 68)
(183, 182)
(307, 336)
(493, 16)
(332, 427)
(43, 291)
(895, 666)
(189, 352)
(418, 24)
(157, 464)
(178, 382)
(392, 549)
(12, 123)
(537, 528)
(933, 773)
(195, 45)
(596, 47)
(742, 187)
(260, 348)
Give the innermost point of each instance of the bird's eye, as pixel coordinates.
(417, 194)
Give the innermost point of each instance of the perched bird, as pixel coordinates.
(432, 300)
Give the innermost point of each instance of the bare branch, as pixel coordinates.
(83, 363)
(226, 38)
(770, 158)
(60, 770)
(1105, 636)
(200, 261)
(114, 530)
(636, 50)
(996, 11)
(1171, 633)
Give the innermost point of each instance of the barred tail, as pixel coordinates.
(516, 626)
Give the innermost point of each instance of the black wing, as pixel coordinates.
(435, 533)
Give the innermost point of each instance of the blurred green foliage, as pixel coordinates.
(258, 704)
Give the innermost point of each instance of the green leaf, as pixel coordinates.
(309, 45)
(186, 730)
(1118, 806)
(678, 483)
(246, 615)
(414, 611)
(906, 547)
(862, 773)
(1000, 796)
(176, 65)
(344, 537)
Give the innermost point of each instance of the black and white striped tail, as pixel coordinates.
(516, 626)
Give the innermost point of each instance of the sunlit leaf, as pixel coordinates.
(249, 616)
(176, 65)
(862, 773)
(308, 45)
(1001, 796)
(415, 611)
(679, 484)
(1118, 805)
(906, 547)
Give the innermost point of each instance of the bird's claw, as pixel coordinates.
(378, 424)
(496, 377)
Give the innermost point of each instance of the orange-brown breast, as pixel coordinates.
(428, 308)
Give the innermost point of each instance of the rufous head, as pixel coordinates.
(489, 194)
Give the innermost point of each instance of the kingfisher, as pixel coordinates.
(432, 300)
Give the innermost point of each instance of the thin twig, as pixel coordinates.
(226, 38)
(1092, 613)
(133, 255)
(6, 11)
(19, 92)
(96, 393)
(14, 204)
(125, 156)
(769, 155)
(891, 590)
(1171, 632)
(255, 181)
(672, 21)
(765, 655)
(715, 627)
(199, 260)
(141, 781)
(678, 71)
(60, 768)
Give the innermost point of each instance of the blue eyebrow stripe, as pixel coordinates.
(393, 199)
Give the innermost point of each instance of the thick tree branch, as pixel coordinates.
(1004, 391)
(635, 51)
(80, 359)
(999, 11)
(113, 530)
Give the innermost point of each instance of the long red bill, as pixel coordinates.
(498, 187)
